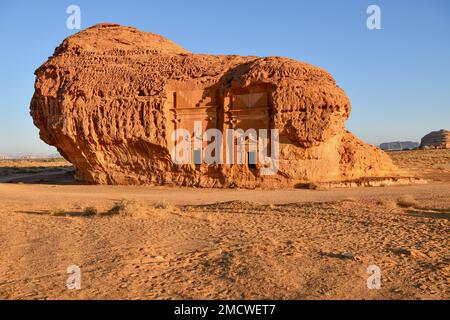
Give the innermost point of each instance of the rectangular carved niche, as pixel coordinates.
(188, 106)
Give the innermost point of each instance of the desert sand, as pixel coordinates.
(138, 242)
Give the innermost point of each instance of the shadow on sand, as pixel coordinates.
(58, 213)
(38, 175)
(430, 213)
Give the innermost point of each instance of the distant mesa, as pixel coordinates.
(436, 140)
(399, 145)
(111, 96)
(24, 156)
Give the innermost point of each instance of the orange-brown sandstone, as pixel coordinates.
(110, 97)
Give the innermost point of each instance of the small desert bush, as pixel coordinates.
(388, 203)
(87, 212)
(162, 205)
(138, 209)
(90, 211)
(407, 201)
(125, 207)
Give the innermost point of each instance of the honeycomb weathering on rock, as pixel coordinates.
(111, 96)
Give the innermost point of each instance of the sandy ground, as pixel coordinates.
(169, 243)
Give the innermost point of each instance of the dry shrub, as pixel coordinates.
(90, 211)
(162, 205)
(407, 201)
(388, 203)
(135, 208)
(87, 212)
(125, 208)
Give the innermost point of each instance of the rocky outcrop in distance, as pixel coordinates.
(436, 140)
(399, 145)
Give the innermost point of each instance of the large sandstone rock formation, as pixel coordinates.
(436, 139)
(110, 97)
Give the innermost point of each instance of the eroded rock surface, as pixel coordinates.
(436, 139)
(111, 96)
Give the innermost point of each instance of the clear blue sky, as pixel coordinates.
(398, 78)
